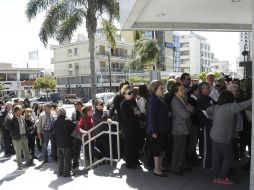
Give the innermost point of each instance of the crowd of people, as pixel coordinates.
(206, 124)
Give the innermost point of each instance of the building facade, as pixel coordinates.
(220, 66)
(72, 66)
(195, 54)
(18, 80)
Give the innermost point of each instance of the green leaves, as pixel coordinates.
(147, 49)
(47, 82)
(109, 30)
(1, 87)
(63, 17)
(203, 75)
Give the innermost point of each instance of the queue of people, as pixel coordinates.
(188, 124)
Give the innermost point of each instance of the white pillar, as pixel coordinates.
(252, 136)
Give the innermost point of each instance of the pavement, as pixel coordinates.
(44, 176)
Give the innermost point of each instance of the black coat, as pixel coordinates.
(63, 129)
(117, 100)
(130, 120)
(13, 126)
(203, 103)
(194, 116)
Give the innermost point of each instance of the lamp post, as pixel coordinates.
(109, 67)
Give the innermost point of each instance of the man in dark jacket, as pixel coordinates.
(203, 102)
(63, 129)
(19, 132)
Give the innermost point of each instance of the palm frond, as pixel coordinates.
(109, 29)
(110, 7)
(147, 49)
(137, 35)
(70, 25)
(36, 6)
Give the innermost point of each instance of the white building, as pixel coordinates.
(72, 66)
(195, 54)
(18, 80)
(220, 66)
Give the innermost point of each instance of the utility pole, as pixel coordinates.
(109, 67)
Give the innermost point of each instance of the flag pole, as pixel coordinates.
(38, 59)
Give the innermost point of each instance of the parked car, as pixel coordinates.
(106, 96)
(71, 98)
(54, 97)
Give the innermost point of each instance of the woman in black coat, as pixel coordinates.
(129, 113)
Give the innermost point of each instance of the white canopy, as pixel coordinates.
(208, 15)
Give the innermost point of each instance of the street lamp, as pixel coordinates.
(109, 67)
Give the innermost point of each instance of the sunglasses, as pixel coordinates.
(101, 104)
(130, 93)
(217, 85)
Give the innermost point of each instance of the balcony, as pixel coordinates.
(118, 55)
(113, 70)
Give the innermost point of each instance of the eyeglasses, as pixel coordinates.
(101, 104)
(130, 93)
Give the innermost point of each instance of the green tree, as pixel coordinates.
(63, 17)
(146, 51)
(203, 75)
(46, 83)
(1, 87)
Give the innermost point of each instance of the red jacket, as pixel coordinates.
(85, 121)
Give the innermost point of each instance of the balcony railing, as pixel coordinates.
(113, 55)
(117, 70)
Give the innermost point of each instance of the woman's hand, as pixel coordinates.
(155, 136)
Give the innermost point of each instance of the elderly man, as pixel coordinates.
(210, 80)
(19, 131)
(63, 129)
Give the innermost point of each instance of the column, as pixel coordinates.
(252, 137)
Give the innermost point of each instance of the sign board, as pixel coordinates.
(27, 83)
(169, 45)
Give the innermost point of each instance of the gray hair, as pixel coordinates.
(61, 112)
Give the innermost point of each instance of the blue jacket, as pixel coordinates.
(157, 116)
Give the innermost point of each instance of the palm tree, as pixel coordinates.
(63, 17)
(147, 51)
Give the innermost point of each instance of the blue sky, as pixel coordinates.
(18, 37)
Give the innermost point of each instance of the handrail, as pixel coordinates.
(90, 139)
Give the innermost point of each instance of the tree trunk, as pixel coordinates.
(92, 63)
(91, 24)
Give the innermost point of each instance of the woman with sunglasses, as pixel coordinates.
(99, 116)
(130, 113)
(220, 85)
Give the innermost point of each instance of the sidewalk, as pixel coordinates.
(106, 177)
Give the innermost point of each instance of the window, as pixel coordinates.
(33, 76)
(69, 52)
(24, 77)
(186, 44)
(70, 66)
(70, 73)
(76, 66)
(75, 51)
(11, 76)
(2, 76)
(185, 53)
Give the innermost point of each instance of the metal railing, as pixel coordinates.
(92, 138)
